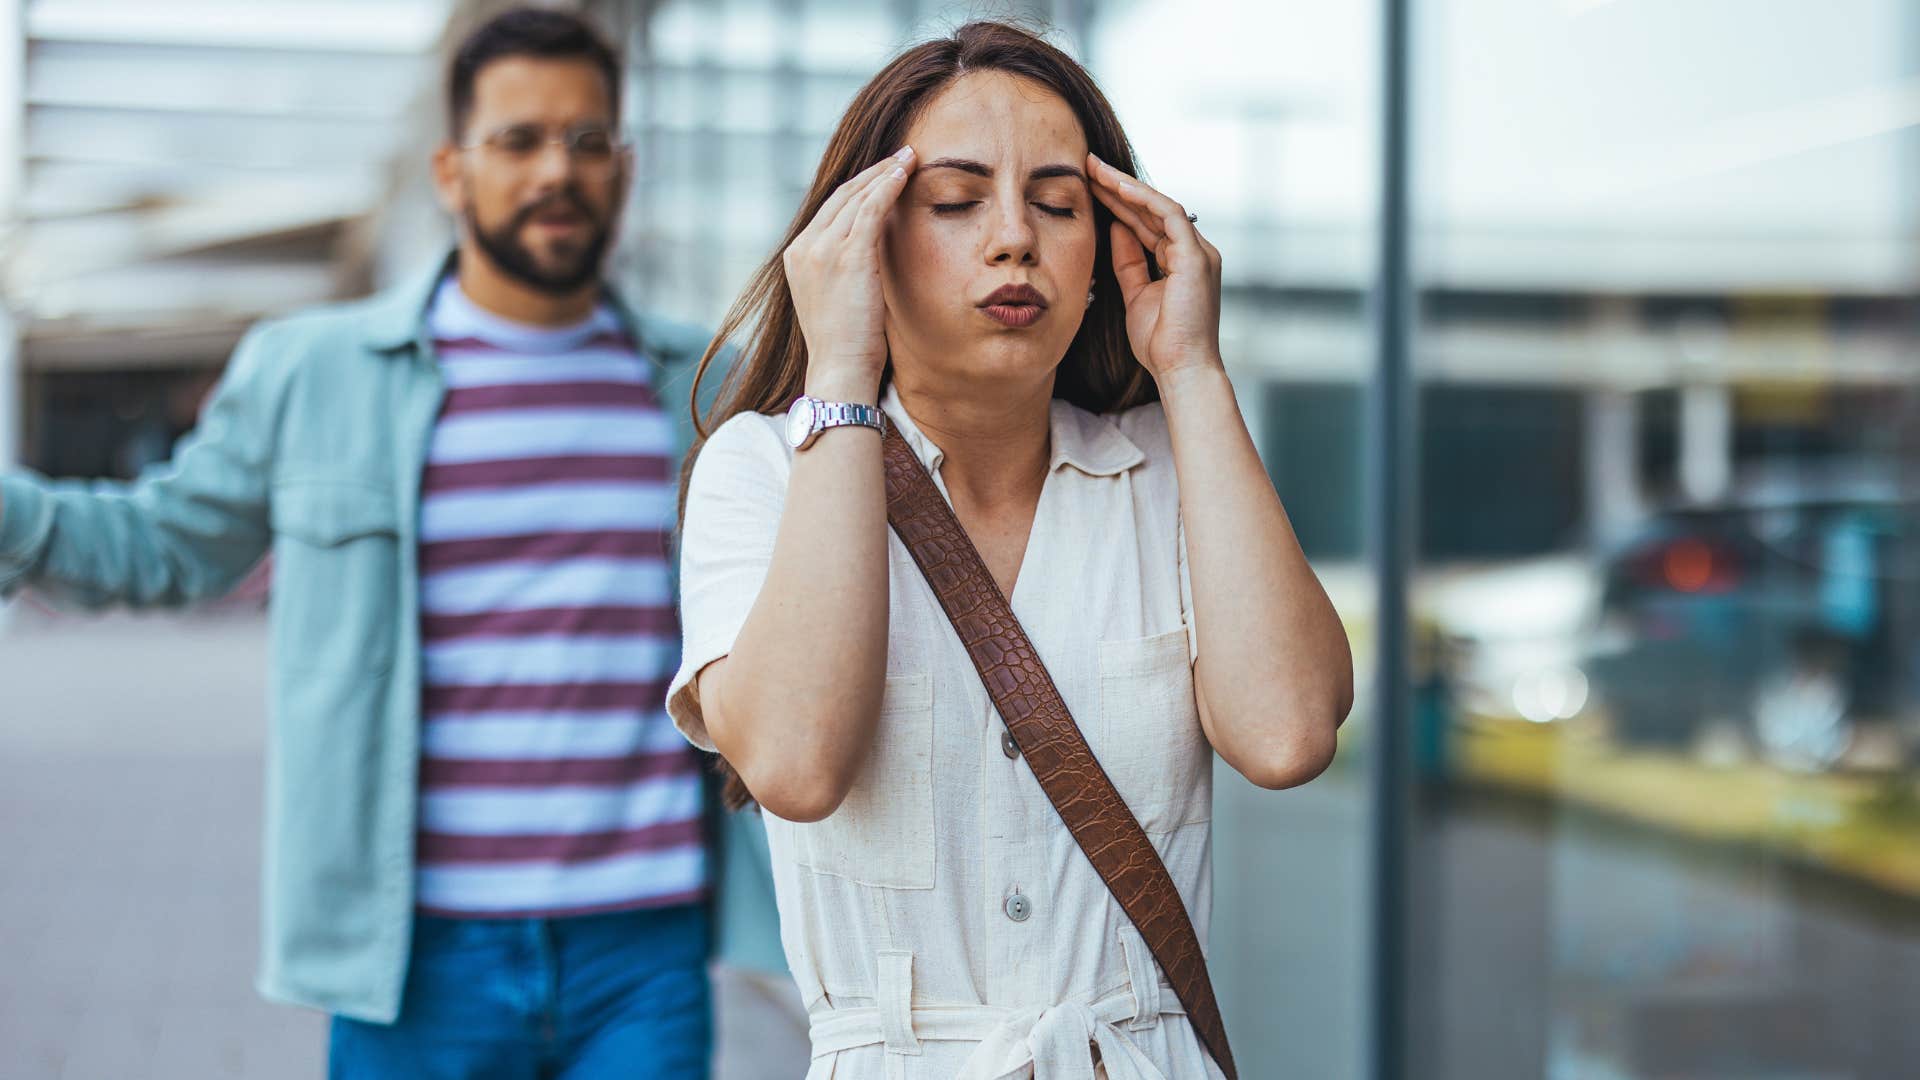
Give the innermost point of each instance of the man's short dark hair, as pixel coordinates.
(538, 32)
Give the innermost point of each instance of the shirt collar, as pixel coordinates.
(1093, 444)
(453, 314)
(396, 318)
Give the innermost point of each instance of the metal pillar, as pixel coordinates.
(1392, 436)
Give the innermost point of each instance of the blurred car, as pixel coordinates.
(1783, 617)
(1508, 637)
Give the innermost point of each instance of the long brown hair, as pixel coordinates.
(1099, 372)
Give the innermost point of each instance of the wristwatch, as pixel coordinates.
(809, 416)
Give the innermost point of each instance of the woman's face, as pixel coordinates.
(999, 199)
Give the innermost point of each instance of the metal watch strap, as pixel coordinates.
(1030, 704)
(832, 414)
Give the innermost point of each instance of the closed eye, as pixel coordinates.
(1045, 208)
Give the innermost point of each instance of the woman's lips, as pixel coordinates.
(1015, 315)
(1015, 305)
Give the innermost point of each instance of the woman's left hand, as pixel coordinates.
(1173, 323)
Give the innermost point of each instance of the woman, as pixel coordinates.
(989, 287)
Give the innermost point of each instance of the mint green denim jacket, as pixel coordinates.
(312, 447)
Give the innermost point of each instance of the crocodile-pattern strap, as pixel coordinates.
(1061, 760)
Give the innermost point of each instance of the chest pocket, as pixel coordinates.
(335, 601)
(1152, 745)
(882, 834)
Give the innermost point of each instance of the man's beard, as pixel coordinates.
(503, 246)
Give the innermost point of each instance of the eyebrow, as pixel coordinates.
(977, 168)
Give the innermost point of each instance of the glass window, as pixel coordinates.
(1666, 262)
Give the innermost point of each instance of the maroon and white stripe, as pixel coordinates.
(551, 781)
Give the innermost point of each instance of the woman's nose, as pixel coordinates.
(1013, 235)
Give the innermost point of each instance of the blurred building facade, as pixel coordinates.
(1667, 678)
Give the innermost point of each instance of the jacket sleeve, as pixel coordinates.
(187, 529)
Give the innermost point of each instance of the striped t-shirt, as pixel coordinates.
(551, 781)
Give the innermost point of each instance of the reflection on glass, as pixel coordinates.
(1667, 599)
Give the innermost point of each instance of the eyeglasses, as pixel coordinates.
(589, 145)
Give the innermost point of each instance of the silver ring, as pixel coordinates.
(1193, 219)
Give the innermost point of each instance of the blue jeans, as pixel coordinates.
(622, 995)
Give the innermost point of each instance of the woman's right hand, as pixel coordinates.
(833, 272)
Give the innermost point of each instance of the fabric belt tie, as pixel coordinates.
(1015, 1044)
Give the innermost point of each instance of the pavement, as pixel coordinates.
(130, 782)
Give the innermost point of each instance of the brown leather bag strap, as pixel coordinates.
(1030, 704)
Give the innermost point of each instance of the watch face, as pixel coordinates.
(800, 422)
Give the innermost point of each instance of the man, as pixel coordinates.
(486, 853)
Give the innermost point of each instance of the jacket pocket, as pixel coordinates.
(882, 834)
(1151, 744)
(336, 568)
